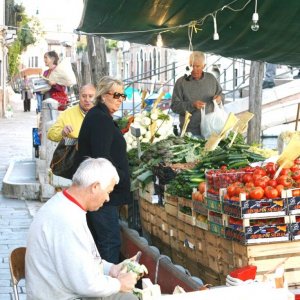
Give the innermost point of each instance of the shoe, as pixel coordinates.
(268, 84)
(297, 76)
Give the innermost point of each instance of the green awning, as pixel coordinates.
(276, 41)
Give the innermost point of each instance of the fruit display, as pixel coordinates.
(254, 182)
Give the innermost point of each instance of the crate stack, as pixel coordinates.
(212, 251)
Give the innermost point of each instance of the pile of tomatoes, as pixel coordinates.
(255, 182)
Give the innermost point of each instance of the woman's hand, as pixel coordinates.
(52, 82)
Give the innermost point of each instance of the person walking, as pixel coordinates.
(57, 91)
(26, 93)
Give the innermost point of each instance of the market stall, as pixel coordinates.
(215, 207)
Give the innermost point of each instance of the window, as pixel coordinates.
(36, 61)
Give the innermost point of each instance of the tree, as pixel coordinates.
(255, 101)
(27, 33)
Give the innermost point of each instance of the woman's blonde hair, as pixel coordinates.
(104, 85)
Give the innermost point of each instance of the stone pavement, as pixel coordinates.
(15, 215)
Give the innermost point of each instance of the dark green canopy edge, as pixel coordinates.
(276, 41)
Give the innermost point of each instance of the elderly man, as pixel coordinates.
(62, 260)
(69, 122)
(194, 92)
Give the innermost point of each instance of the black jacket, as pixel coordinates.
(100, 136)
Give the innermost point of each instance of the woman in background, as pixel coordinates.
(57, 91)
(26, 93)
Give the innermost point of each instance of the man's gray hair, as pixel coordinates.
(104, 85)
(196, 56)
(94, 170)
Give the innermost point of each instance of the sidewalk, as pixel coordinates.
(15, 215)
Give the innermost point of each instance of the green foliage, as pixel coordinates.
(110, 45)
(14, 57)
(27, 34)
(81, 47)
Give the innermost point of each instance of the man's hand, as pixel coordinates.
(199, 104)
(218, 99)
(128, 281)
(116, 269)
(67, 130)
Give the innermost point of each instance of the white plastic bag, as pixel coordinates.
(63, 74)
(213, 122)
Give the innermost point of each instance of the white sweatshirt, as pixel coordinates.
(62, 260)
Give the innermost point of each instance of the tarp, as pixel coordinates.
(277, 40)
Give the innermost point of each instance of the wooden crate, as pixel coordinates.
(171, 209)
(171, 199)
(172, 221)
(186, 218)
(268, 257)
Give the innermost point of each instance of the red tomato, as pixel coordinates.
(249, 184)
(247, 178)
(295, 168)
(271, 192)
(270, 168)
(202, 187)
(279, 188)
(296, 193)
(261, 182)
(259, 171)
(272, 182)
(285, 171)
(257, 193)
(284, 180)
(231, 190)
(296, 175)
(256, 176)
(297, 183)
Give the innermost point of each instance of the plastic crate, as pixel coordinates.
(216, 180)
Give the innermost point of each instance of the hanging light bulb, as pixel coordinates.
(216, 35)
(255, 18)
(159, 42)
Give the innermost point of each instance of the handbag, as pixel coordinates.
(61, 98)
(213, 122)
(63, 160)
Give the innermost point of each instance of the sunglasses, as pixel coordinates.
(118, 95)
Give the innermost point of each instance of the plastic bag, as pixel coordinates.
(213, 122)
(63, 74)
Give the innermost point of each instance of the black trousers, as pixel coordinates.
(105, 228)
(27, 102)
